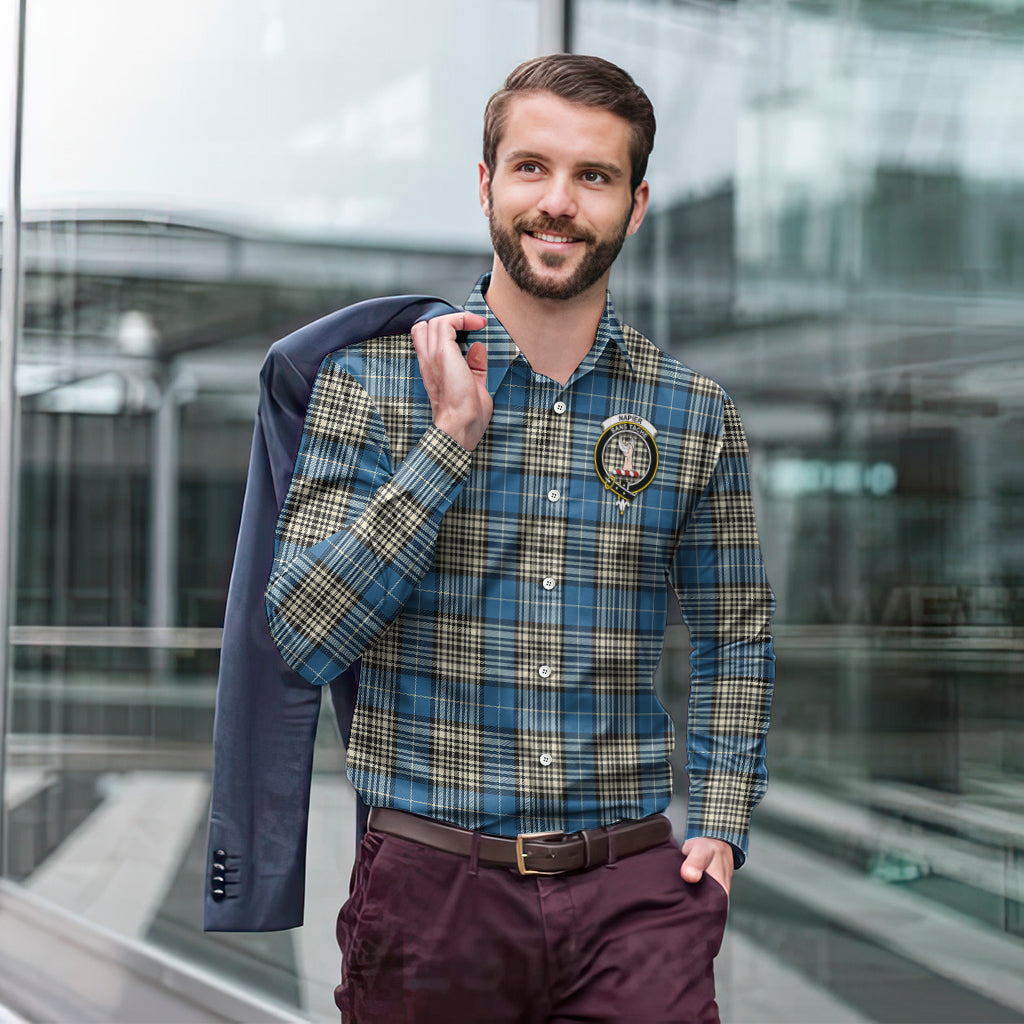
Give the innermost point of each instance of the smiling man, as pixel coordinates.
(486, 512)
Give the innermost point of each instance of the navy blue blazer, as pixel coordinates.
(266, 714)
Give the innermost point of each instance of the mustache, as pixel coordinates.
(552, 226)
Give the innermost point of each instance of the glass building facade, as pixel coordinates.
(836, 235)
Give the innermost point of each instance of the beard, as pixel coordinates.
(598, 257)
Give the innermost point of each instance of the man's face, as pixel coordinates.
(559, 202)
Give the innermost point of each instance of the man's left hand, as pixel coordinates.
(711, 855)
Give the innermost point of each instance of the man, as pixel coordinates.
(491, 530)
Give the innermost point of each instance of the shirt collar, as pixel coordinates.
(502, 350)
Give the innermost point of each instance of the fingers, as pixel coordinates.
(445, 327)
(435, 339)
(435, 342)
(456, 385)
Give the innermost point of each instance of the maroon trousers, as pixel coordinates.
(433, 938)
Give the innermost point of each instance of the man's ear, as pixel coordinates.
(641, 197)
(485, 187)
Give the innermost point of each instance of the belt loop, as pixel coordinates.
(474, 854)
(585, 836)
(610, 833)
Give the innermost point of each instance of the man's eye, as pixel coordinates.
(593, 177)
(529, 168)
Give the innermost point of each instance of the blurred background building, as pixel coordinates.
(836, 235)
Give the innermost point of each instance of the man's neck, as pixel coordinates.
(553, 334)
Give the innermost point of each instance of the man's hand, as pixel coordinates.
(457, 386)
(711, 855)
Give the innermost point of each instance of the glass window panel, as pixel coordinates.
(835, 235)
(200, 179)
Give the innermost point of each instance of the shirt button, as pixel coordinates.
(544, 671)
(560, 407)
(549, 583)
(553, 495)
(545, 759)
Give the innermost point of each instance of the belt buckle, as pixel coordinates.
(521, 854)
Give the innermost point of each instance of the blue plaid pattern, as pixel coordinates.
(509, 616)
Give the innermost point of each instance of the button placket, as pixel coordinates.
(550, 460)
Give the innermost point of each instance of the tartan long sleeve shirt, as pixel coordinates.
(509, 604)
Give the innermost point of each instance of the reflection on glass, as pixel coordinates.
(200, 179)
(854, 278)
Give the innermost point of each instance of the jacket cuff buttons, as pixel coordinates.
(218, 875)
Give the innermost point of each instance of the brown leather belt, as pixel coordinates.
(533, 853)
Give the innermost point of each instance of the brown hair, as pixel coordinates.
(577, 78)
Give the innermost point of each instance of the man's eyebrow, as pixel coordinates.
(610, 170)
(522, 154)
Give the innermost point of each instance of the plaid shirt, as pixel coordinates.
(509, 604)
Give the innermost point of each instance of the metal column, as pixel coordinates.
(10, 319)
(554, 26)
(163, 548)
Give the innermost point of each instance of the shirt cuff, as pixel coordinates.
(435, 470)
(738, 854)
(719, 807)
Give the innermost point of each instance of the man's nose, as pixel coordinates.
(559, 199)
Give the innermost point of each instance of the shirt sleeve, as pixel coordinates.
(726, 601)
(355, 534)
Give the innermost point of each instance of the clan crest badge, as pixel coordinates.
(626, 456)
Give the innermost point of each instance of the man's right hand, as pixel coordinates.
(457, 385)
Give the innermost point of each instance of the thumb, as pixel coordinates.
(477, 357)
(694, 864)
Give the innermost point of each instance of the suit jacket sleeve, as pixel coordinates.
(266, 715)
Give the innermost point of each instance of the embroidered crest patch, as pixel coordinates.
(626, 457)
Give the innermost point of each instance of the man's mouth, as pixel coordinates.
(545, 236)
